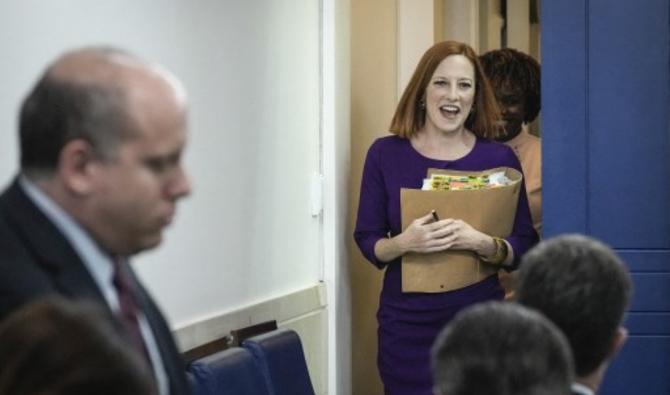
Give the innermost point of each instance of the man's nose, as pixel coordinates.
(180, 185)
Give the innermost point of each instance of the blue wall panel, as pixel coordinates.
(652, 292)
(629, 373)
(564, 133)
(628, 123)
(648, 323)
(606, 159)
(646, 260)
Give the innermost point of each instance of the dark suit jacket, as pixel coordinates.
(37, 260)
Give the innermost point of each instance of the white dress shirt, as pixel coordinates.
(581, 389)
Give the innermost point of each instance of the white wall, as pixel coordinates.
(252, 70)
(336, 124)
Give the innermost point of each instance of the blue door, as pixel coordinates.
(606, 152)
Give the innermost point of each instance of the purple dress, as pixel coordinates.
(409, 322)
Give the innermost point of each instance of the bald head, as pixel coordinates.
(102, 134)
(93, 66)
(88, 94)
(111, 67)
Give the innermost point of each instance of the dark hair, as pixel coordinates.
(509, 67)
(501, 348)
(59, 110)
(583, 287)
(409, 115)
(58, 347)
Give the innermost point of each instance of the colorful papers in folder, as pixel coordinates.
(456, 182)
(487, 200)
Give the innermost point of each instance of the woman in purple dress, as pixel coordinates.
(446, 118)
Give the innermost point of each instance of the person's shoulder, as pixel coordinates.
(23, 278)
(497, 153)
(7, 196)
(389, 141)
(527, 146)
(534, 149)
(18, 259)
(388, 145)
(533, 140)
(11, 194)
(7, 189)
(493, 147)
(17, 212)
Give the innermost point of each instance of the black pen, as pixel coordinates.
(435, 217)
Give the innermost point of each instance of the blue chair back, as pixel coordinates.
(192, 383)
(281, 359)
(232, 371)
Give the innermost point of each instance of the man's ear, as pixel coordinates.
(77, 166)
(620, 338)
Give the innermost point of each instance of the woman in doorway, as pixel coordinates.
(446, 118)
(515, 79)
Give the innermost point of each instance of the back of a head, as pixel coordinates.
(584, 288)
(504, 349)
(59, 347)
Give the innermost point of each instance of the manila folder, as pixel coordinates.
(491, 211)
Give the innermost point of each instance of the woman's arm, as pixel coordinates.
(371, 221)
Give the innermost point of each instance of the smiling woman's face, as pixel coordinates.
(450, 94)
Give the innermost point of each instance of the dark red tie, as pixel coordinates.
(128, 308)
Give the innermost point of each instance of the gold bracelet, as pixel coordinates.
(500, 254)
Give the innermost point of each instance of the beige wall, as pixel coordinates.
(414, 34)
(373, 98)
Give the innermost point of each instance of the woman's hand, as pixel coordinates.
(424, 235)
(461, 236)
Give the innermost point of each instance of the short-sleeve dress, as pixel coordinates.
(410, 322)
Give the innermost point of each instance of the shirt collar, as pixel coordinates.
(98, 262)
(581, 389)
